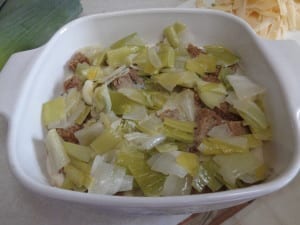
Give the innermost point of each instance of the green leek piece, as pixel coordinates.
(212, 99)
(154, 58)
(178, 135)
(136, 95)
(212, 94)
(23, 23)
(261, 134)
(82, 166)
(201, 64)
(79, 152)
(166, 147)
(223, 56)
(179, 27)
(184, 126)
(234, 166)
(102, 98)
(179, 130)
(253, 142)
(54, 111)
(118, 57)
(170, 80)
(150, 182)
(67, 184)
(76, 176)
(150, 125)
(56, 151)
(99, 58)
(127, 157)
(155, 99)
(207, 176)
(120, 103)
(82, 117)
(131, 39)
(82, 70)
(171, 35)
(105, 142)
(189, 161)
(216, 146)
(167, 55)
(252, 114)
(143, 61)
(224, 72)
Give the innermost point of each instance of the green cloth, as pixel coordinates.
(28, 24)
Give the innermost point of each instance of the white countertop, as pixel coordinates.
(19, 206)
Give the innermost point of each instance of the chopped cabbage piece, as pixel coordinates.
(54, 112)
(226, 145)
(234, 166)
(55, 150)
(243, 87)
(144, 141)
(166, 163)
(175, 185)
(105, 142)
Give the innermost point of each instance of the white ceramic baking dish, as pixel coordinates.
(271, 64)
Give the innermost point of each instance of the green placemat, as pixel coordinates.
(27, 24)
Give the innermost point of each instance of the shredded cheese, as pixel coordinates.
(271, 19)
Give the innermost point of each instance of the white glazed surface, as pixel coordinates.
(27, 154)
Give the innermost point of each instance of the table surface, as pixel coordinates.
(19, 206)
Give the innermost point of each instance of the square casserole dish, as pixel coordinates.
(26, 151)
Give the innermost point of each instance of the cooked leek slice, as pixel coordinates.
(178, 135)
(130, 40)
(120, 103)
(83, 115)
(167, 56)
(175, 185)
(185, 126)
(79, 152)
(105, 142)
(251, 113)
(207, 176)
(102, 98)
(223, 55)
(212, 94)
(243, 87)
(87, 134)
(107, 178)
(120, 56)
(166, 147)
(172, 36)
(56, 177)
(54, 112)
(154, 58)
(76, 176)
(167, 164)
(228, 145)
(55, 150)
(150, 182)
(82, 166)
(150, 125)
(144, 141)
(136, 112)
(201, 64)
(234, 166)
(189, 161)
(170, 80)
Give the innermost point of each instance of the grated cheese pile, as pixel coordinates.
(271, 19)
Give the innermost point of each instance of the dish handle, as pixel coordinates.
(287, 54)
(12, 77)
